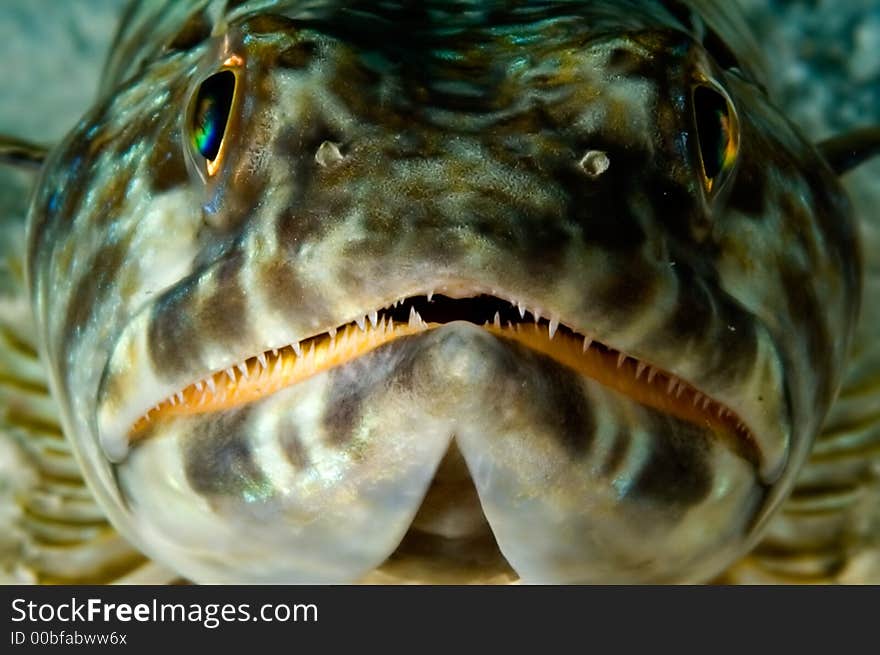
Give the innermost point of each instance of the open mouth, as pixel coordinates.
(269, 371)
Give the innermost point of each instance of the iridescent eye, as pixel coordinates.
(210, 115)
(717, 133)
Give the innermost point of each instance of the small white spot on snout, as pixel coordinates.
(328, 154)
(594, 163)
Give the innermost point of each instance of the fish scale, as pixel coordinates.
(461, 175)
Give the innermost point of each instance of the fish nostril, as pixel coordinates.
(328, 154)
(594, 163)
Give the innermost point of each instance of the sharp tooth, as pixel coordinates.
(720, 411)
(332, 332)
(651, 373)
(621, 358)
(211, 385)
(672, 384)
(231, 374)
(362, 323)
(697, 397)
(297, 348)
(497, 320)
(374, 318)
(640, 368)
(200, 385)
(244, 370)
(179, 395)
(173, 400)
(552, 327)
(522, 309)
(587, 343)
(262, 359)
(706, 403)
(679, 391)
(274, 352)
(430, 295)
(414, 319)
(536, 314)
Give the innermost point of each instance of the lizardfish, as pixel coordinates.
(462, 291)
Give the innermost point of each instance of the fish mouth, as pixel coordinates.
(268, 371)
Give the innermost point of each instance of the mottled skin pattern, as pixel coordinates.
(460, 137)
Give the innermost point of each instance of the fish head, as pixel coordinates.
(544, 295)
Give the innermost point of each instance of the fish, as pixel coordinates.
(496, 292)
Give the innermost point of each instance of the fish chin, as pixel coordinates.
(446, 456)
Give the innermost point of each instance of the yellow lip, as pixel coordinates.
(272, 371)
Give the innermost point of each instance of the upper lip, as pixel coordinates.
(116, 415)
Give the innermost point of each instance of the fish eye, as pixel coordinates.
(717, 133)
(209, 117)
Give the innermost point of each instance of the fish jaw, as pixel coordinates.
(138, 384)
(371, 434)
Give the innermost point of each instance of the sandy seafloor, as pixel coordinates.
(823, 57)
